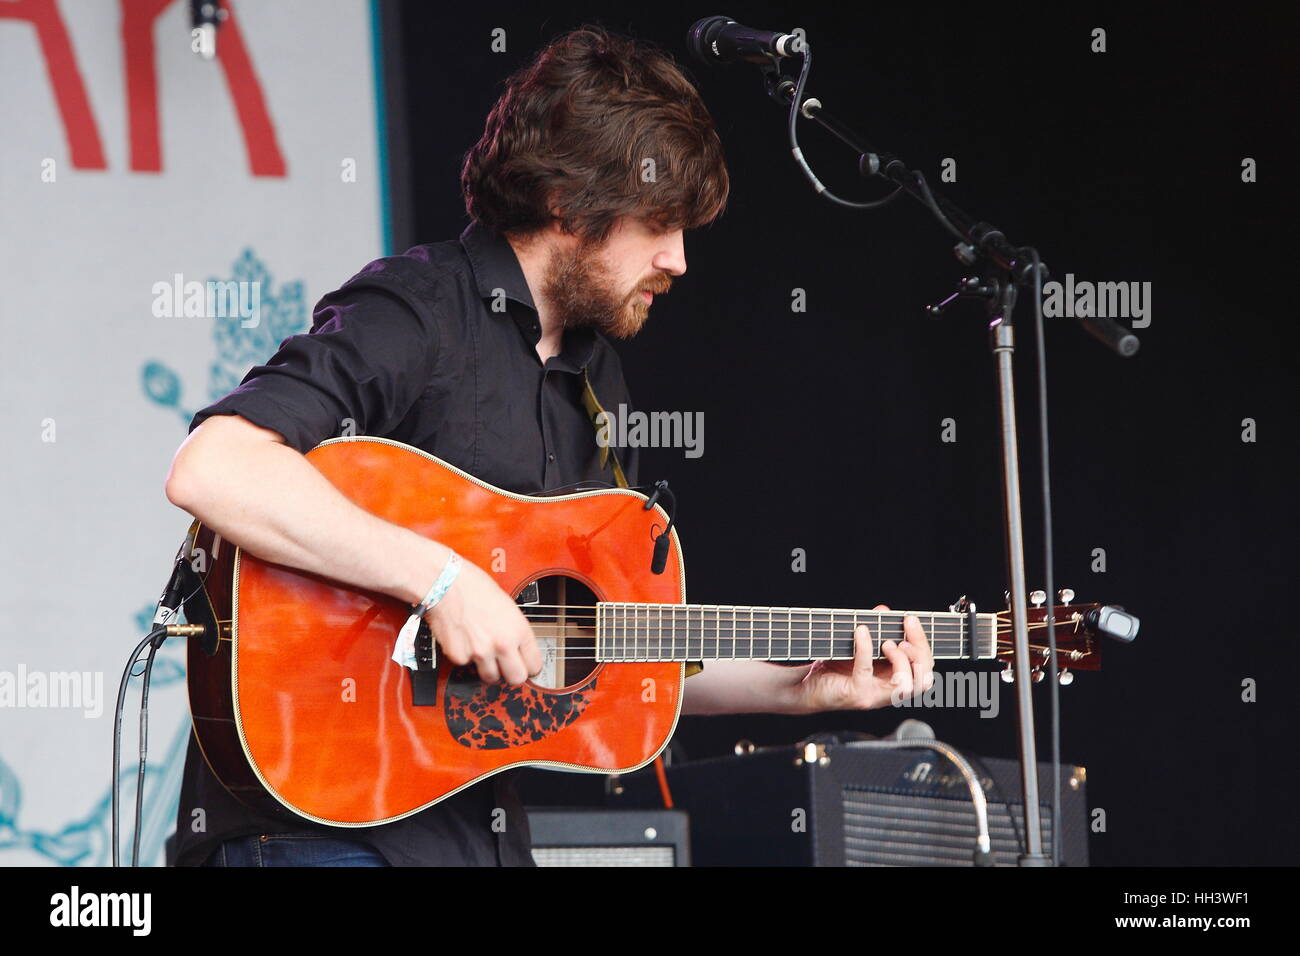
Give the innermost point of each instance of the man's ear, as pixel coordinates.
(553, 207)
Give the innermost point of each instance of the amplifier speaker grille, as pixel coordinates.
(574, 836)
(604, 856)
(895, 829)
(855, 806)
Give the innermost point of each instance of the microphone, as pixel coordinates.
(723, 40)
(912, 729)
(205, 17)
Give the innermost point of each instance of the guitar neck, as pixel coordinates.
(692, 632)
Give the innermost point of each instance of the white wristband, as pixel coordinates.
(440, 586)
(404, 649)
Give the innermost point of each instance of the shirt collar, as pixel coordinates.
(495, 266)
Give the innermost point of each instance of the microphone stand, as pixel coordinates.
(1003, 269)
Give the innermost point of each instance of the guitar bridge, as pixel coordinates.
(424, 679)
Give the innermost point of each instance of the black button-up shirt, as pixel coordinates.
(435, 348)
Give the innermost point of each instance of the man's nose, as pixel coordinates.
(671, 258)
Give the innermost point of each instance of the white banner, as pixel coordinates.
(132, 167)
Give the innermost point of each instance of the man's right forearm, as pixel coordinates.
(257, 492)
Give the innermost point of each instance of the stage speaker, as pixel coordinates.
(835, 805)
(591, 837)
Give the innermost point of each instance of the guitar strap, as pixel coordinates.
(594, 411)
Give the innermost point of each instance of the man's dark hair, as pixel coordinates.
(600, 126)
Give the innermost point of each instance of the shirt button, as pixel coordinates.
(550, 458)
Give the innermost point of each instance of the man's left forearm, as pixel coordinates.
(744, 687)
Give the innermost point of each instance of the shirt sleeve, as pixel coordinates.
(366, 360)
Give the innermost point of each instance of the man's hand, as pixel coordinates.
(864, 683)
(478, 621)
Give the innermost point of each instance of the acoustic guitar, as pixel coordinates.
(298, 706)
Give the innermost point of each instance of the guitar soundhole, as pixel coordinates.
(562, 611)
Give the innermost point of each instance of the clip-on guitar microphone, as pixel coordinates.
(660, 558)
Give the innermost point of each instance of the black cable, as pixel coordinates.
(1046, 477)
(934, 206)
(144, 734)
(158, 630)
(817, 184)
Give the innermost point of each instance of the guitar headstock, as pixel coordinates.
(1079, 629)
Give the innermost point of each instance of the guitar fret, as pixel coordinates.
(659, 638)
(666, 636)
(644, 632)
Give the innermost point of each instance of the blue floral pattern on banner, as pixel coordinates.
(86, 841)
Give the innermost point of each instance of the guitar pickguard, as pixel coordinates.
(498, 716)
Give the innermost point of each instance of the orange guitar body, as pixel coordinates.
(299, 706)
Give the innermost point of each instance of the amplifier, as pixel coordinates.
(836, 805)
(587, 837)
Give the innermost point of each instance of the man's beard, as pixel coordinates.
(579, 287)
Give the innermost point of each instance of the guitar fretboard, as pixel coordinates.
(692, 632)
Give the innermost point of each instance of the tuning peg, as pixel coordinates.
(1038, 675)
(1065, 678)
(1008, 675)
(1006, 597)
(1036, 598)
(1065, 595)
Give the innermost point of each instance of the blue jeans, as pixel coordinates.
(294, 849)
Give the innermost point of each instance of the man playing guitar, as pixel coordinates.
(476, 350)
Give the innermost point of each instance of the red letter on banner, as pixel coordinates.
(69, 90)
(138, 16)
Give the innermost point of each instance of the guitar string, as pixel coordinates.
(579, 628)
(1041, 649)
(942, 635)
(587, 612)
(795, 627)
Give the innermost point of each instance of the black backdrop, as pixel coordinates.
(822, 428)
